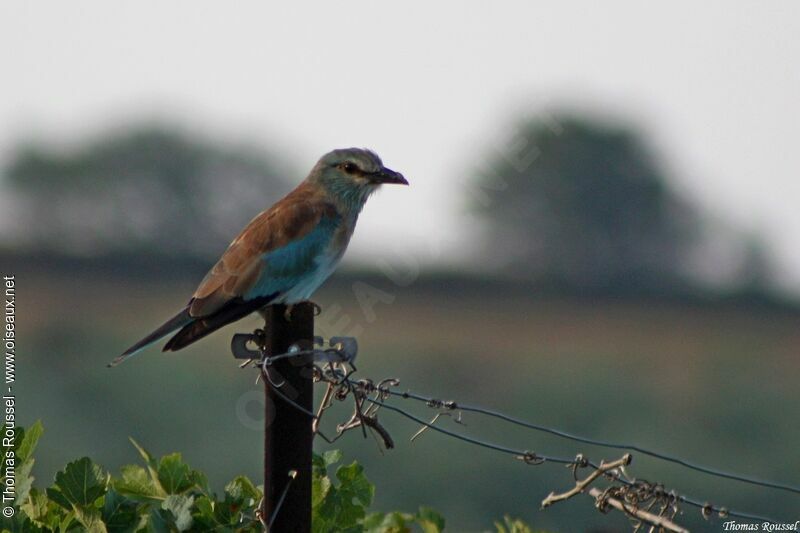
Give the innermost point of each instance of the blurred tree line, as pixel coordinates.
(584, 204)
(149, 190)
(568, 202)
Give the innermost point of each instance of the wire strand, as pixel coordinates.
(384, 392)
(433, 402)
(561, 460)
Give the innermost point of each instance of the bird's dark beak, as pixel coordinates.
(386, 175)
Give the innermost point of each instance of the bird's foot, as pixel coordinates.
(287, 314)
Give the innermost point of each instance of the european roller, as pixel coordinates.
(285, 253)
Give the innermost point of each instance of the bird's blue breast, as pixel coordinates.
(298, 268)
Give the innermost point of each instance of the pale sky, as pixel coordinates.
(430, 86)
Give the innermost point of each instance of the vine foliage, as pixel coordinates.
(165, 495)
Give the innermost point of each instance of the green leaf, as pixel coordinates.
(395, 522)
(510, 525)
(81, 482)
(331, 457)
(204, 518)
(29, 439)
(35, 507)
(159, 521)
(372, 520)
(242, 489)
(19, 523)
(150, 463)
(341, 507)
(89, 518)
(66, 522)
(119, 513)
(241, 498)
(174, 475)
(137, 484)
(24, 481)
(24, 444)
(228, 511)
(317, 461)
(320, 463)
(180, 507)
(148, 458)
(41, 511)
(355, 484)
(320, 487)
(169, 496)
(57, 497)
(200, 481)
(429, 520)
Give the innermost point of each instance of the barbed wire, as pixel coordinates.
(452, 405)
(626, 496)
(705, 507)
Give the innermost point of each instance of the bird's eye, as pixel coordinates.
(349, 167)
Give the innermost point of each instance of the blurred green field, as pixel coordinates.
(713, 383)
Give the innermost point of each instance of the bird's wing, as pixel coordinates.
(272, 252)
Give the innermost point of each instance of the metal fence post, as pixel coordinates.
(287, 431)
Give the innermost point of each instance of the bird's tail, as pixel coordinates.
(177, 322)
(200, 327)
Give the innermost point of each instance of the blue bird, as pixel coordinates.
(285, 253)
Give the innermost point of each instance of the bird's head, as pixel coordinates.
(352, 174)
